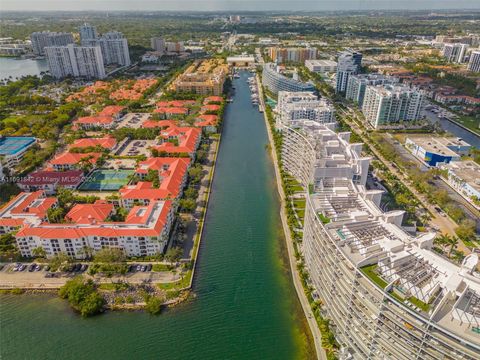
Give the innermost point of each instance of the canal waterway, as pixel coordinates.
(245, 306)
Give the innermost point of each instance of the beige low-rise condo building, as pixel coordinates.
(205, 77)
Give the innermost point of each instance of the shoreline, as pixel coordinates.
(199, 232)
(317, 338)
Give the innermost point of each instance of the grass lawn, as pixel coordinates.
(299, 203)
(113, 286)
(300, 214)
(180, 284)
(418, 303)
(297, 188)
(161, 267)
(469, 122)
(370, 272)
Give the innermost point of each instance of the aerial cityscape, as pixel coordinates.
(226, 180)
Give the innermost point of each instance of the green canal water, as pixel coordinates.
(245, 305)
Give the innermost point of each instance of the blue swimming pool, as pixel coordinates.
(11, 145)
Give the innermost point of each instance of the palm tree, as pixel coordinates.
(443, 240)
(452, 243)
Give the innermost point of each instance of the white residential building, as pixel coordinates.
(390, 104)
(386, 293)
(357, 84)
(464, 177)
(295, 106)
(321, 66)
(158, 44)
(76, 61)
(42, 39)
(113, 44)
(115, 48)
(349, 63)
(454, 52)
(474, 62)
(88, 33)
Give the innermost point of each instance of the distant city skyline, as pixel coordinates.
(234, 5)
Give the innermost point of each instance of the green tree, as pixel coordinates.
(153, 305)
(188, 204)
(82, 296)
(58, 260)
(110, 255)
(466, 229)
(39, 252)
(174, 254)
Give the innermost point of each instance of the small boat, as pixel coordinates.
(236, 76)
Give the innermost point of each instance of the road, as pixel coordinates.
(297, 282)
(459, 200)
(445, 224)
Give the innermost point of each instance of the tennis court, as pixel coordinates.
(106, 180)
(11, 145)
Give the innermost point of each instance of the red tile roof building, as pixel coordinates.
(105, 142)
(71, 161)
(212, 99)
(207, 108)
(172, 173)
(188, 139)
(144, 232)
(90, 122)
(25, 207)
(207, 122)
(167, 112)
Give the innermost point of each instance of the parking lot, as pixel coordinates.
(138, 147)
(133, 120)
(39, 276)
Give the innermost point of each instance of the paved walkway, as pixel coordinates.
(37, 279)
(312, 322)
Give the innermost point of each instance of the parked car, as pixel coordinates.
(139, 267)
(149, 267)
(22, 267)
(31, 267)
(143, 268)
(38, 267)
(49, 275)
(83, 267)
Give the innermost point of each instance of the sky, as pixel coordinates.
(234, 5)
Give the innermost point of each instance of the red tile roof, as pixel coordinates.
(105, 142)
(171, 171)
(139, 222)
(68, 158)
(206, 120)
(206, 108)
(111, 110)
(171, 110)
(144, 190)
(158, 123)
(211, 99)
(175, 103)
(94, 120)
(28, 204)
(187, 140)
(90, 213)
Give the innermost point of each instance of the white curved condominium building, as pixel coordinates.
(388, 295)
(295, 106)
